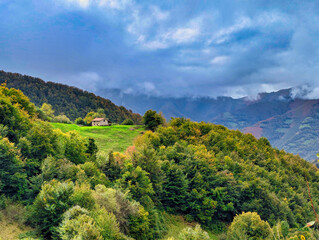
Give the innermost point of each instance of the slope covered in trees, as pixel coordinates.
(290, 123)
(202, 171)
(70, 101)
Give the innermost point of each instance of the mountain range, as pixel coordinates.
(290, 123)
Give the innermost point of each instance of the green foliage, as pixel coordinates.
(54, 199)
(61, 119)
(42, 140)
(137, 181)
(118, 203)
(128, 122)
(13, 181)
(47, 110)
(152, 120)
(248, 226)
(79, 121)
(110, 138)
(108, 225)
(15, 113)
(140, 225)
(202, 171)
(77, 224)
(92, 148)
(71, 101)
(216, 172)
(75, 148)
(193, 234)
(174, 188)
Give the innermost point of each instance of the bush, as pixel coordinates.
(152, 120)
(108, 225)
(193, 234)
(79, 227)
(128, 122)
(248, 226)
(61, 119)
(79, 121)
(54, 199)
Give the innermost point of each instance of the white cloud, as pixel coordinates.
(115, 4)
(224, 34)
(219, 60)
(111, 4)
(158, 13)
(314, 94)
(262, 20)
(173, 36)
(80, 3)
(153, 45)
(147, 87)
(184, 35)
(88, 80)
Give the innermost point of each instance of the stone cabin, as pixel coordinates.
(101, 122)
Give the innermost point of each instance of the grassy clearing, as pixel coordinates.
(117, 137)
(12, 222)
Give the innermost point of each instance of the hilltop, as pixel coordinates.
(64, 99)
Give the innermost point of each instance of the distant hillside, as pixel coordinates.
(289, 123)
(71, 101)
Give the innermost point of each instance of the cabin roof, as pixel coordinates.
(98, 119)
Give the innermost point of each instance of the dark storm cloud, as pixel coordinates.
(172, 48)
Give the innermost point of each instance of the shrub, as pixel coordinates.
(193, 234)
(128, 122)
(109, 227)
(248, 226)
(152, 120)
(79, 227)
(54, 199)
(79, 121)
(61, 119)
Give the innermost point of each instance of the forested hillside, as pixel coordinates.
(229, 182)
(290, 123)
(70, 101)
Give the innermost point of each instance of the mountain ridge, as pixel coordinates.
(72, 101)
(290, 123)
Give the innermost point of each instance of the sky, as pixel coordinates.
(165, 48)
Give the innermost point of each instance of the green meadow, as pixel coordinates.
(117, 137)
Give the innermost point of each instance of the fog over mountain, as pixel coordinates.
(288, 118)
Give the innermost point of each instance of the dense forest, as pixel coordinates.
(226, 181)
(71, 101)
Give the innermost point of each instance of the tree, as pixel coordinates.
(77, 224)
(92, 148)
(248, 226)
(174, 188)
(193, 234)
(54, 199)
(128, 122)
(152, 120)
(61, 119)
(47, 110)
(79, 121)
(137, 181)
(13, 181)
